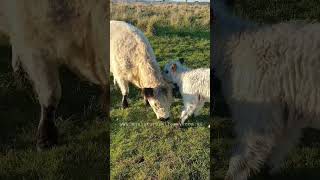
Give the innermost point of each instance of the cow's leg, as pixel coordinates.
(285, 141)
(124, 87)
(146, 102)
(45, 80)
(256, 126)
(250, 156)
(103, 113)
(282, 148)
(114, 81)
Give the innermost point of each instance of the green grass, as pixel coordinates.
(81, 152)
(142, 147)
(152, 17)
(303, 161)
(277, 11)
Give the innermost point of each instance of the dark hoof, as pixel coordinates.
(178, 125)
(146, 102)
(125, 105)
(47, 137)
(164, 119)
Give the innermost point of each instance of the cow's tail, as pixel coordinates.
(18, 72)
(16, 63)
(19, 75)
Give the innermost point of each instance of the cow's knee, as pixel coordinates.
(124, 87)
(125, 103)
(46, 83)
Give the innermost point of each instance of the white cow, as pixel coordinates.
(269, 76)
(47, 34)
(132, 60)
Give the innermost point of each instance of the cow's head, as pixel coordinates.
(160, 99)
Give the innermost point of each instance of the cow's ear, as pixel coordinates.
(174, 67)
(147, 92)
(181, 60)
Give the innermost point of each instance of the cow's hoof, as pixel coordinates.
(164, 119)
(47, 137)
(178, 125)
(125, 104)
(146, 103)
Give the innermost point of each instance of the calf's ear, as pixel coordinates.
(174, 67)
(181, 60)
(147, 92)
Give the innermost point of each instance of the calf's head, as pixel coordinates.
(160, 99)
(172, 69)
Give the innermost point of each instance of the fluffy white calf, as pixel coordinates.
(194, 86)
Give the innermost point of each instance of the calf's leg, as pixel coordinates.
(45, 79)
(190, 105)
(198, 108)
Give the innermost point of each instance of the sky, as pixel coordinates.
(191, 0)
(175, 0)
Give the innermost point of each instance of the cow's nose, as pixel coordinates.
(164, 119)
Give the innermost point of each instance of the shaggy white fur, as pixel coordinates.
(44, 35)
(133, 60)
(269, 77)
(194, 86)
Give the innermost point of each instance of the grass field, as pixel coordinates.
(141, 146)
(304, 161)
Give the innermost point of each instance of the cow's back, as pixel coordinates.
(132, 57)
